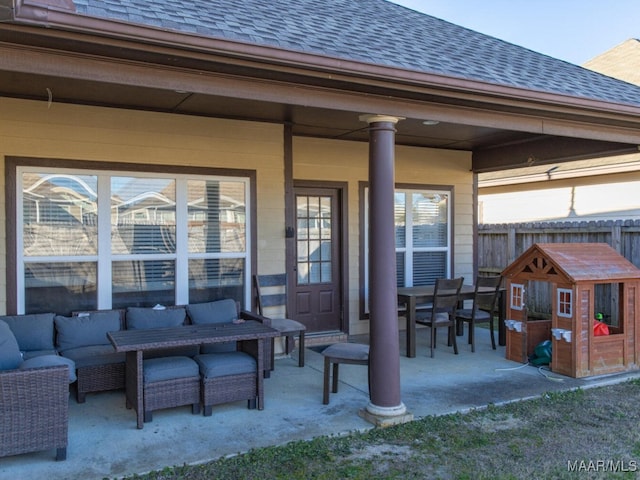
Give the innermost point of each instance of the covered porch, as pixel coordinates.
(105, 443)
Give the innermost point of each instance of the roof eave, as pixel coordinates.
(61, 15)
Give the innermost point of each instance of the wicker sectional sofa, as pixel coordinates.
(42, 354)
(82, 338)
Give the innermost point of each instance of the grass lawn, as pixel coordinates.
(591, 433)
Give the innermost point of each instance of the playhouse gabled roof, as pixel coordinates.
(578, 262)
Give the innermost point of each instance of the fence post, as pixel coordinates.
(511, 244)
(616, 237)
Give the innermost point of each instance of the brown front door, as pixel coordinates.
(316, 282)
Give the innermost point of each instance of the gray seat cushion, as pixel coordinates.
(287, 325)
(139, 318)
(222, 364)
(86, 330)
(37, 353)
(347, 351)
(220, 311)
(93, 355)
(10, 357)
(32, 331)
(50, 361)
(168, 368)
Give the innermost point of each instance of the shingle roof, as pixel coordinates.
(373, 31)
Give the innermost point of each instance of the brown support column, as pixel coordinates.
(385, 407)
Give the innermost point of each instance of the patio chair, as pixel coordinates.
(288, 328)
(483, 308)
(446, 296)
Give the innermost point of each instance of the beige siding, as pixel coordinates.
(34, 129)
(622, 62)
(335, 160)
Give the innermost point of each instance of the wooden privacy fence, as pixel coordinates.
(501, 244)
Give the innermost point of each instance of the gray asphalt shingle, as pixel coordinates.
(372, 31)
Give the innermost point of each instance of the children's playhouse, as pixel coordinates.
(577, 282)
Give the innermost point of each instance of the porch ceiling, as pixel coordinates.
(502, 127)
(305, 120)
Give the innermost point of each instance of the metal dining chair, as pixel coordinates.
(483, 309)
(446, 296)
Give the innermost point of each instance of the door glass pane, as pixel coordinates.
(59, 214)
(143, 283)
(428, 266)
(429, 212)
(217, 216)
(143, 215)
(60, 287)
(313, 239)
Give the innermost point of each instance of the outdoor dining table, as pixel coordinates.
(411, 296)
(136, 342)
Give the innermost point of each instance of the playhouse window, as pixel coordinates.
(517, 296)
(565, 302)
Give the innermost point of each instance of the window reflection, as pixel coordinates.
(60, 287)
(217, 216)
(59, 219)
(59, 215)
(143, 215)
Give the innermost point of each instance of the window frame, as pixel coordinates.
(14, 167)
(560, 303)
(364, 235)
(516, 292)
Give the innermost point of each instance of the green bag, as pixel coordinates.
(541, 354)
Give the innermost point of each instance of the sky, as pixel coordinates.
(571, 30)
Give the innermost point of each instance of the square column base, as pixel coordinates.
(384, 421)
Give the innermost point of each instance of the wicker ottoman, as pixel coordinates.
(170, 382)
(228, 377)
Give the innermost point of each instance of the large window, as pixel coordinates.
(423, 237)
(114, 239)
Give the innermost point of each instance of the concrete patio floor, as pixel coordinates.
(104, 441)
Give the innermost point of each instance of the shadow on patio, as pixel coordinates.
(104, 441)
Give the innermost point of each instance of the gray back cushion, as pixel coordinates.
(10, 357)
(220, 311)
(139, 318)
(86, 330)
(33, 331)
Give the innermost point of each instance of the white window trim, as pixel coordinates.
(570, 303)
(516, 287)
(408, 238)
(105, 257)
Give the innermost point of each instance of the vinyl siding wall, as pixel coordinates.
(340, 161)
(94, 134)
